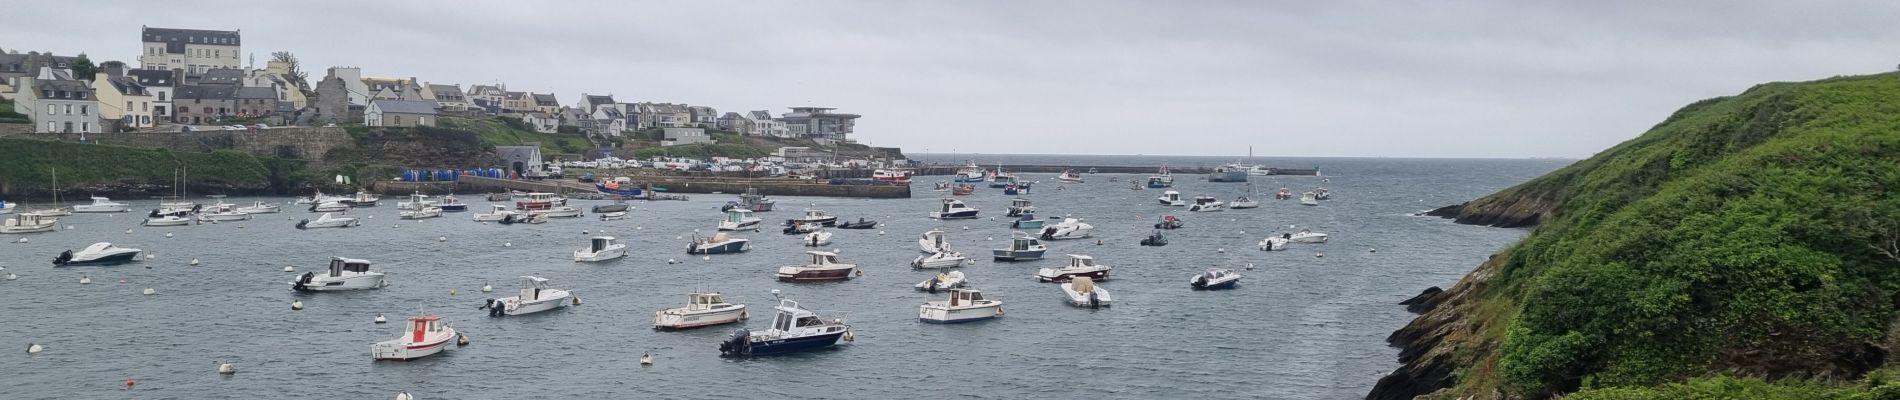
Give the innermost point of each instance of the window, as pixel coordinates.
(161, 95)
(69, 128)
(207, 110)
(45, 93)
(145, 106)
(52, 109)
(128, 105)
(82, 110)
(69, 109)
(395, 120)
(52, 127)
(217, 53)
(82, 95)
(85, 127)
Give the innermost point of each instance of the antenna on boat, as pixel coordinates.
(776, 295)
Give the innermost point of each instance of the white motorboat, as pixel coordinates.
(222, 214)
(953, 209)
(613, 216)
(814, 216)
(1273, 243)
(51, 212)
(817, 238)
(1019, 206)
(1022, 247)
(101, 253)
(530, 218)
(1172, 198)
(1161, 180)
(344, 274)
(1309, 199)
(944, 259)
(1214, 279)
(1082, 292)
(361, 199)
(934, 241)
(416, 201)
(824, 266)
(1306, 236)
(450, 204)
(945, 280)
(426, 335)
(101, 205)
(259, 207)
(601, 248)
(964, 305)
(1244, 202)
(1206, 204)
(1069, 228)
(792, 329)
(5, 207)
(739, 219)
(332, 206)
(167, 220)
(28, 223)
(1069, 177)
(327, 221)
(719, 243)
(498, 213)
(702, 309)
(1079, 266)
(558, 212)
(1322, 194)
(424, 213)
(319, 198)
(535, 297)
(539, 201)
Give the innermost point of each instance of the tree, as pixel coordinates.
(83, 68)
(295, 70)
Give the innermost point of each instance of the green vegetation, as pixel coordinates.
(1756, 235)
(512, 132)
(730, 144)
(8, 116)
(32, 163)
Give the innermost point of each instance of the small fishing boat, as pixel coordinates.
(530, 218)
(424, 213)
(1172, 198)
(1079, 265)
(719, 243)
(1322, 194)
(101, 205)
(1001, 179)
(1069, 228)
(792, 329)
(1082, 292)
(167, 220)
(1026, 221)
(1309, 199)
(817, 238)
(1206, 204)
(613, 216)
(1161, 180)
(600, 248)
(1068, 177)
(939, 260)
(801, 228)
(953, 209)
(1283, 194)
(557, 212)
(1170, 222)
(539, 201)
(1154, 239)
(740, 219)
(1233, 172)
(416, 201)
(944, 280)
(1018, 206)
(1273, 243)
(752, 200)
(330, 206)
(1022, 247)
(933, 241)
(860, 224)
(702, 309)
(28, 223)
(1306, 236)
(451, 204)
(224, 214)
(496, 213)
(891, 176)
(259, 207)
(814, 216)
(361, 199)
(619, 205)
(426, 335)
(1214, 279)
(963, 190)
(616, 188)
(942, 186)
(1013, 190)
(344, 274)
(972, 173)
(964, 305)
(824, 266)
(101, 253)
(535, 297)
(327, 221)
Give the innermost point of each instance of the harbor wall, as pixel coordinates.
(679, 185)
(1118, 169)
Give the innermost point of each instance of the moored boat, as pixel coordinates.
(344, 274)
(891, 176)
(1214, 279)
(451, 204)
(1068, 177)
(259, 207)
(426, 212)
(425, 335)
(1026, 221)
(933, 241)
(327, 221)
(817, 238)
(1018, 206)
(1169, 222)
(1234, 172)
(166, 220)
(814, 216)
(1309, 199)
(701, 310)
(535, 296)
(1083, 292)
(1306, 236)
(600, 248)
(28, 223)
(719, 243)
(946, 259)
(945, 280)
(101, 253)
(497, 213)
(792, 329)
(964, 305)
(1155, 239)
(557, 212)
(861, 223)
(329, 206)
(539, 201)
(738, 219)
(1069, 228)
(1161, 180)
(1022, 247)
(824, 266)
(101, 205)
(953, 209)
(1206, 204)
(1079, 265)
(1172, 198)
(361, 199)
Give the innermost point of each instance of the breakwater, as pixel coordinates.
(769, 187)
(1101, 169)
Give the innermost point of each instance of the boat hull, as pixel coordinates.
(966, 214)
(779, 346)
(556, 299)
(1017, 255)
(603, 255)
(677, 319)
(100, 208)
(930, 313)
(722, 248)
(110, 259)
(1098, 276)
(319, 284)
(458, 207)
(1216, 285)
(747, 225)
(797, 274)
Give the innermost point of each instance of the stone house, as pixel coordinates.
(159, 83)
(56, 102)
(608, 121)
(661, 115)
(400, 113)
(257, 102)
(736, 122)
(333, 101)
(123, 101)
(590, 102)
(204, 105)
(275, 76)
(546, 104)
(447, 97)
(703, 116)
(516, 103)
(192, 50)
(16, 65)
(683, 136)
(491, 94)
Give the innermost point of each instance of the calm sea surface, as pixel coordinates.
(1299, 326)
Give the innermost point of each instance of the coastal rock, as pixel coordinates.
(1424, 301)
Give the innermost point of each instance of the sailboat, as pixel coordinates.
(57, 210)
(1246, 201)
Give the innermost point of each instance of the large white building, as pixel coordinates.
(192, 50)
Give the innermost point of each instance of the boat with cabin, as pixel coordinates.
(361, 199)
(1163, 179)
(1172, 198)
(415, 201)
(792, 329)
(1083, 292)
(557, 212)
(818, 238)
(101, 205)
(1214, 279)
(1022, 247)
(600, 248)
(166, 220)
(1233, 172)
(539, 201)
(535, 296)
(943, 280)
(1026, 221)
(344, 274)
(1206, 204)
(953, 209)
(1018, 206)
(101, 253)
(891, 176)
(972, 173)
(424, 213)
(739, 219)
(424, 336)
(1068, 176)
(497, 212)
(327, 221)
(1069, 228)
(259, 207)
(1079, 265)
(719, 243)
(939, 260)
(814, 216)
(964, 305)
(451, 204)
(28, 223)
(824, 266)
(751, 200)
(1309, 199)
(702, 309)
(934, 241)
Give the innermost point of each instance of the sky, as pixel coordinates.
(1504, 79)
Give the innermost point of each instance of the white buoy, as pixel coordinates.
(226, 368)
(646, 359)
(149, 256)
(638, 228)
(992, 238)
(83, 280)
(441, 238)
(1221, 250)
(396, 226)
(679, 237)
(880, 233)
(486, 288)
(380, 319)
(404, 395)
(34, 348)
(150, 291)
(672, 261)
(168, 234)
(11, 276)
(1319, 254)
(966, 227)
(707, 258)
(507, 245)
(69, 227)
(296, 305)
(22, 240)
(1372, 250)
(370, 217)
(128, 231)
(1249, 266)
(194, 261)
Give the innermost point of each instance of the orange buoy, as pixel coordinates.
(129, 383)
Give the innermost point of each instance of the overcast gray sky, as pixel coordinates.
(1329, 78)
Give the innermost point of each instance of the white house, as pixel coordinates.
(542, 122)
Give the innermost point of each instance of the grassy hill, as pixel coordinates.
(496, 131)
(32, 163)
(1742, 241)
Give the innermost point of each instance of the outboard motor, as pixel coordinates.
(495, 308)
(1048, 233)
(196, 207)
(301, 224)
(63, 258)
(1093, 301)
(154, 214)
(735, 344)
(933, 284)
(303, 282)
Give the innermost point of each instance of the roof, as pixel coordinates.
(69, 86)
(821, 253)
(350, 260)
(404, 106)
(175, 39)
(445, 89)
(545, 99)
(221, 76)
(205, 92)
(515, 95)
(256, 93)
(598, 100)
(127, 85)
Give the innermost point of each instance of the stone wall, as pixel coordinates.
(298, 143)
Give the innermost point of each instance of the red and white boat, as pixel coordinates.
(824, 266)
(891, 175)
(963, 190)
(539, 201)
(426, 335)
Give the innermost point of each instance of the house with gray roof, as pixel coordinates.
(589, 102)
(192, 50)
(257, 102)
(764, 125)
(160, 84)
(219, 76)
(205, 105)
(56, 102)
(400, 113)
(546, 104)
(702, 116)
(16, 65)
(447, 97)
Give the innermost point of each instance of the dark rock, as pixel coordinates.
(1424, 301)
